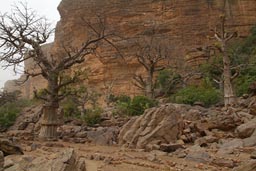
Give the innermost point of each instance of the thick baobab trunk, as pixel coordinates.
(229, 96)
(49, 123)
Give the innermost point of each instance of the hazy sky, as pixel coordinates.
(46, 8)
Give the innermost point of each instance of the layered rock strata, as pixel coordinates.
(184, 24)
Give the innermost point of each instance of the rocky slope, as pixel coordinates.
(171, 137)
(184, 24)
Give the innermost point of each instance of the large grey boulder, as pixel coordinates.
(162, 123)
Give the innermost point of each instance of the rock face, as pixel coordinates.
(163, 124)
(185, 25)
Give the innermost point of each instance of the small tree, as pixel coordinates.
(168, 81)
(22, 33)
(222, 70)
(83, 96)
(108, 91)
(151, 52)
(223, 37)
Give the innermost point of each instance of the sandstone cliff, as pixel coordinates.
(185, 24)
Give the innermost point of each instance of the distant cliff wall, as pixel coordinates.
(184, 23)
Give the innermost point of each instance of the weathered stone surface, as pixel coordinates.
(1, 161)
(162, 123)
(104, 136)
(170, 147)
(225, 120)
(184, 23)
(198, 154)
(8, 148)
(247, 166)
(245, 130)
(223, 162)
(229, 146)
(8, 163)
(250, 141)
(28, 118)
(62, 161)
(204, 141)
(253, 155)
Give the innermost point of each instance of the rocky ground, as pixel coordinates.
(170, 137)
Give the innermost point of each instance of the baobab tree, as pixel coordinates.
(150, 53)
(22, 34)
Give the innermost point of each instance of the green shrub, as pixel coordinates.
(248, 46)
(70, 108)
(134, 107)
(168, 81)
(243, 81)
(119, 98)
(10, 111)
(8, 114)
(93, 116)
(192, 94)
(123, 99)
(139, 104)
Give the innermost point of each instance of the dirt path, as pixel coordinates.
(105, 158)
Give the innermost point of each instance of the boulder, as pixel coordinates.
(253, 109)
(250, 141)
(8, 163)
(103, 136)
(245, 130)
(63, 161)
(247, 166)
(198, 154)
(29, 115)
(204, 141)
(170, 147)
(226, 120)
(229, 146)
(162, 123)
(253, 155)
(223, 163)
(1, 161)
(8, 148)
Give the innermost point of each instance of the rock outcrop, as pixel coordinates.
(9, 148)
(66, 160)
(185, 25)
(163, 124)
